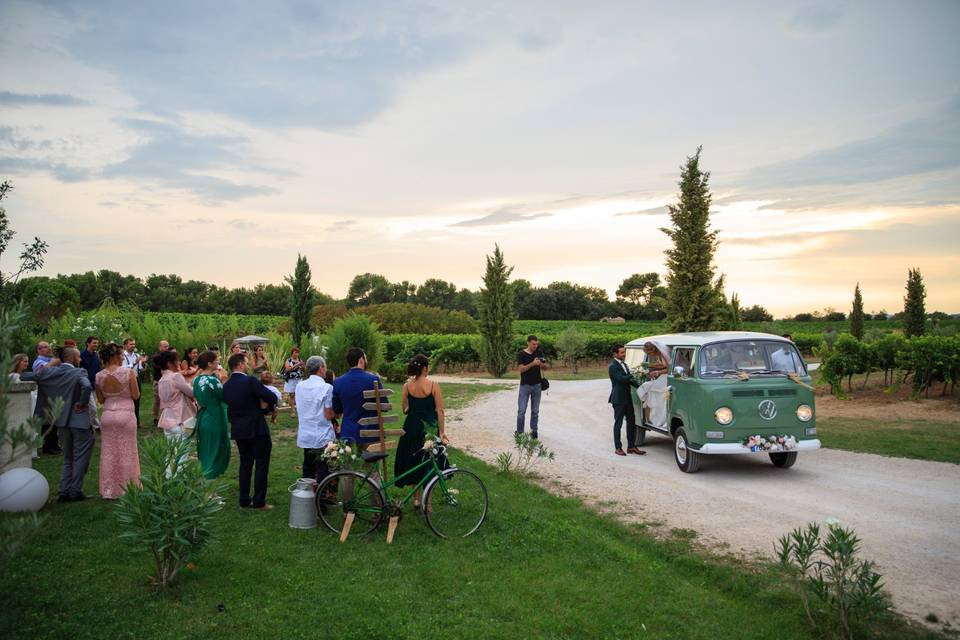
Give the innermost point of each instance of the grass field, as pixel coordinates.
(540, 567)
(920, 439)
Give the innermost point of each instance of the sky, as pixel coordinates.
(218, 140)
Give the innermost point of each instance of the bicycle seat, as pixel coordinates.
(374, 457)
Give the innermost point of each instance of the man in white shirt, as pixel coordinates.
(133, 360)
(314, 415)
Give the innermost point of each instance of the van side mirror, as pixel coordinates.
(679, 372)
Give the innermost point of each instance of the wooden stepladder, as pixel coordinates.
(379, 403)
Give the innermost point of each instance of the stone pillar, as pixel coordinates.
(21, 400)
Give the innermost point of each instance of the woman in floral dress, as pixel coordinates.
(213, 433)
(116, 390)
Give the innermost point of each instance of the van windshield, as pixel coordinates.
(755, 357)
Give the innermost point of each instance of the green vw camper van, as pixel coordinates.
(725, 392)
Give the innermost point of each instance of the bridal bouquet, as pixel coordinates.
(340, 454)
(770, 443)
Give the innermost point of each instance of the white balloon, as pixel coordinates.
(23, 489)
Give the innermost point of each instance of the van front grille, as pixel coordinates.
(748, 393)
(780, 393)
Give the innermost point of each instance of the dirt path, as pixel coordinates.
(906, 511)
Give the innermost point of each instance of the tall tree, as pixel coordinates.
(495, 305)
(301, 299)
(914, 305)
(736, 320)
(437, 293)
(369, 288)
(638, 288)
(691, 293)
(856, 314)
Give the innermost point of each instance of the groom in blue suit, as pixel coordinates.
(242, 395)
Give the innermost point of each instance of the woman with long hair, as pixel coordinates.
(188, 366)
(213, 431)
(175, 395)
(19, 364)
(259, 362)
(117, 390)
(422, 403)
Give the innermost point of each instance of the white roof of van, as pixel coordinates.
(701, 338)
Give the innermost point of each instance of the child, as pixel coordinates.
(267, 379)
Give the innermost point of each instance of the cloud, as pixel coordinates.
(10, 99)
(504, 215)
(815, 20)
(920, 149)
(329, 65)
(173, 157)
(654, 211)
(934, 236)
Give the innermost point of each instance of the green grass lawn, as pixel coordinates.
(918, 439)
(540, 567)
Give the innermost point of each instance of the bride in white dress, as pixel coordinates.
(653, 392)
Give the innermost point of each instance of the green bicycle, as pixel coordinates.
(454, 501)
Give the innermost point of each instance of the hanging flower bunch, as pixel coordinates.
(340, 454)
(770, 443)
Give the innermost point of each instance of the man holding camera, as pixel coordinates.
(531, 362)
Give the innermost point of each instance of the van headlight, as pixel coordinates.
(804, 413)
(723, 415)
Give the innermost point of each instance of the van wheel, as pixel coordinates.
(783, 459)
(687, 459)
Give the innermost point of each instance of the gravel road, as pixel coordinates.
(906, 511)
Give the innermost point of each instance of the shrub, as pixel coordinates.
(529, 451)
(354, 331)
(572, 346)
(832, 572)
(168, 514)
(405, 317)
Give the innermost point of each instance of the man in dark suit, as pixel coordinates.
(66, 381)
(243, 395)
(621, 398)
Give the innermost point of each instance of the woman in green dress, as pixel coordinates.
(213, 432)
(422, 402)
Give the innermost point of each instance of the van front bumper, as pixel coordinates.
(726, 448)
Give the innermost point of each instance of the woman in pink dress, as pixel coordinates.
(116, 391)
(175, 395)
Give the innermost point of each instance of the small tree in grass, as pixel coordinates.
(170, 513)
(571, 343)
(495, 305)
(301, 299)
(914, 306)
(354, 331)
(856, 314)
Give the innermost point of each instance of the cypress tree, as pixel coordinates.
(914, 307)
(301, 299)
(495, 306)
(856, 314)
(692, 300)
(736, 321)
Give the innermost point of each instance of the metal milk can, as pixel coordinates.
(303, 509)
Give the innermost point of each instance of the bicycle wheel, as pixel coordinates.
(346, 491)
(456, 506)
